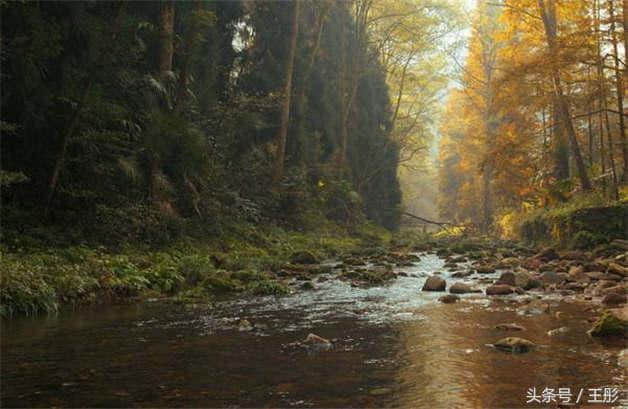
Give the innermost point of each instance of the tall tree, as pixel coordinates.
(548, 15)
(280, 138)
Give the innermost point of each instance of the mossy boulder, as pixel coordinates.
(609, 324)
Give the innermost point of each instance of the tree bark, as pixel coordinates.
(611, 155)
(590, 122)
(600, 77)
(625, 24)
(620, 92)
(282, 132)
(549, 22)
(166, 36)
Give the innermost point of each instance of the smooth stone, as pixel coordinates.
(462, 288)
(449, 299)
(514, 344)
(245, 325)
(499, 289)
(507, 278)
(509, 327)
(434, 284)
(614, 299)
(557, 331)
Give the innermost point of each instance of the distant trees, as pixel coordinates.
(557, 87)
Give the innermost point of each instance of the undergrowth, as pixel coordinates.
(35, 279)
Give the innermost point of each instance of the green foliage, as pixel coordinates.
(24, 289)
(580, 223)
(268, 288)
(36, 278)
(585, 239)
(149, 156)
(195, 268)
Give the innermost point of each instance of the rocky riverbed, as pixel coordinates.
(434, 325)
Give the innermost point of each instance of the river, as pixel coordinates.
(393, 346)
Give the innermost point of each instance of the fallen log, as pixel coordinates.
(424, 220)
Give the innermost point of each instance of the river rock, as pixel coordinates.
(573, 255)
(550, 277)
(557, 331)
(595, 275)
(547, 254)
(535, 307)
(548, 267)
(509, 327)
(510, 261)
(507, 278)
(573, 286)
(532, 283)
(609, 324)
(307, 285)
(614, 299)
(499, 289)
(449, 299)
(618, 289)
(245, 325)
(485, 269)
(514, 344)
(315, 340)
(462, 288)
(532, 263)
(576, 271)
(434, 284)
(620, 244)
(611, 277)
(593, 266)
(461, 274)
(615, 268)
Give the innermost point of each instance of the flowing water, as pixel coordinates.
(393, 346)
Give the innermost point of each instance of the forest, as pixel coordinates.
(313, 203)
(539, 118)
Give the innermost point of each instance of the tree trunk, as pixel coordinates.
(166, 36)
(611, 156)
(625, 24)
(282, 132)
(344, 126)
(600, 77)
(65, 140)
(549, 22)
(620, 92)
(560, 144)
(590, 122)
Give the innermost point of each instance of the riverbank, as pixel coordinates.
(390, 342)
(267, 260)
(248, 259)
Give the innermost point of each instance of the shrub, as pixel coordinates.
(23, 289)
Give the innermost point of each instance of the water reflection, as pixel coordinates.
(450, 365)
